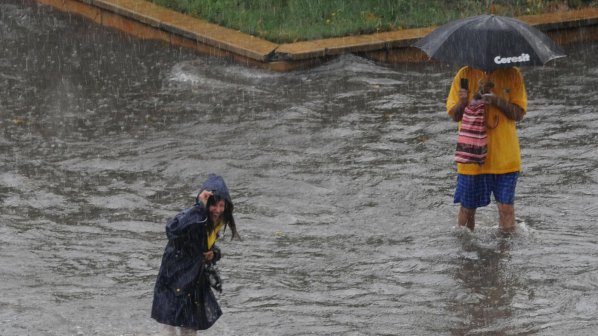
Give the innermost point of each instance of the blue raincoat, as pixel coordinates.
(182, 294)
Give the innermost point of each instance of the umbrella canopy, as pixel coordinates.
(489, 42)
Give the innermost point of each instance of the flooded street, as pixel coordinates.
(342, 178)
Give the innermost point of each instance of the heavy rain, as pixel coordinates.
(342, 178)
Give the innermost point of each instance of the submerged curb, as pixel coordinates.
(146, 20)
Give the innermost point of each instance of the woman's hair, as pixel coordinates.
(229, 220)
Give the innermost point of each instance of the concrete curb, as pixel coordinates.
(145, 20)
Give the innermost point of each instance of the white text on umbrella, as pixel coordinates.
(516, 59)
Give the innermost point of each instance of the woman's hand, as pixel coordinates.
(208, 256)
(203, 197)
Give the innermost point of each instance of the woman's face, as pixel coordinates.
(216, 210)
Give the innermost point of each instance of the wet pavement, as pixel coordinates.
(342, 177)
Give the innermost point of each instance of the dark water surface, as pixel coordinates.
(342, 177)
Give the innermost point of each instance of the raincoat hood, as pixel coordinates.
(215, 184)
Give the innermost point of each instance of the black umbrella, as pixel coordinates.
(489, 42)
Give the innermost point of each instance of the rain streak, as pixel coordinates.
(342, 178)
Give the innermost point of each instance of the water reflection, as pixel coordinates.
(341, 175)
(489, 286)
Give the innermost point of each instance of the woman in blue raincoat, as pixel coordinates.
(183, 297)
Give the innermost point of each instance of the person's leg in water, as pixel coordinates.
(187, 332)
(506, 213)
(472, 192)
(166, 330)
(504, 193)
(467, 217)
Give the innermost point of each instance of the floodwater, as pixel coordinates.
(342, 177)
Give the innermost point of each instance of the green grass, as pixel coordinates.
(283, 21)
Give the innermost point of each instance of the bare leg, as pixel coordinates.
(506, 214)
(467, 218)
(167, 330)
(187, 332)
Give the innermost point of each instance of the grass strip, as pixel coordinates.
(283, 21)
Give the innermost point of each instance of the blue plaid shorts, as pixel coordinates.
(473, 191)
